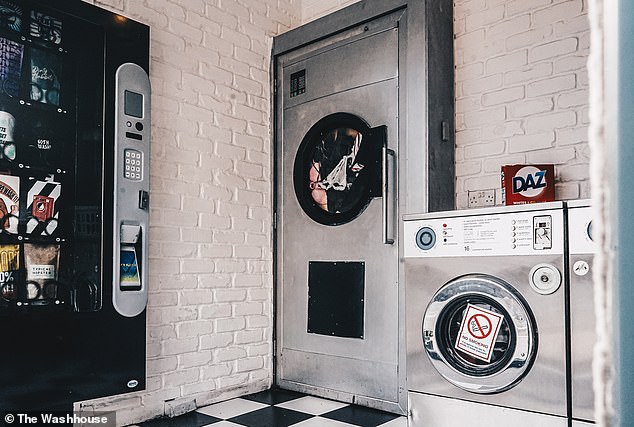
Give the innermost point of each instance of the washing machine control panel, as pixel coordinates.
(512, 233)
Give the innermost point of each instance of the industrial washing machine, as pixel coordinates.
(485, 313)
(581, 251)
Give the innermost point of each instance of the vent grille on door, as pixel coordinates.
(298, 83)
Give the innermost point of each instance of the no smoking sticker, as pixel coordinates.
(478, 332)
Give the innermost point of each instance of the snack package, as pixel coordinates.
(42, 265)
(46, 68)
(7, 130)
(9, 266)
(9, 203)
(45, 27)
(12, 16)
(42, 207)
(11, 54)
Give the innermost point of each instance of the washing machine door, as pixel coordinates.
(337, 168)
(479, 334)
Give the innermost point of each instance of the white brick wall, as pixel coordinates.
(210, 304)
(313, 9)
(521, 92)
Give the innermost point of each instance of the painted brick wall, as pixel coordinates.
(210, 303)
(521, 92)
(313, 9)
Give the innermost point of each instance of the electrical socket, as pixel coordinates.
(481, 198)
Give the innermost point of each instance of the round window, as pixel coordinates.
(510, 350)
(448, 330)
(336, 171)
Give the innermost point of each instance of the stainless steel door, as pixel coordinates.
(327, 251)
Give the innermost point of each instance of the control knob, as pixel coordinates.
(425, 238)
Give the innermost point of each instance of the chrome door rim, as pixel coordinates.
(483, 287)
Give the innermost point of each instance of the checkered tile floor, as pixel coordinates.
(281, 408)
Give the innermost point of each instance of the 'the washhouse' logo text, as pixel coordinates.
(529, 181)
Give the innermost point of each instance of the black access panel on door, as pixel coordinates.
(74, 194)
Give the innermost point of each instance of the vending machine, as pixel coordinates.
(74, 203)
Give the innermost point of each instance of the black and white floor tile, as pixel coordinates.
(281, 408)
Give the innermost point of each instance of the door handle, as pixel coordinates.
(384, 193)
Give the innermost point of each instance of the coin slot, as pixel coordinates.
(133, 135)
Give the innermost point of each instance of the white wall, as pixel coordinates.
(521, 92)
(313, 9)
(210, 303)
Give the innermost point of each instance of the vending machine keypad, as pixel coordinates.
(133, 164)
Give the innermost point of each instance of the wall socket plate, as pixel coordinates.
(481, 198)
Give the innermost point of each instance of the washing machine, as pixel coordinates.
(485, 314)
(582, 318)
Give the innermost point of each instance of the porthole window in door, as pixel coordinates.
(337, 168)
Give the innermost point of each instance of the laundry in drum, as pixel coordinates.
(9, 203)
(10, 16)
(336, 163)
(11, 55)
(43, 206)
(9, 266)
(46, 68)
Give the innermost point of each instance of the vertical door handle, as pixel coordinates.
(384, 193)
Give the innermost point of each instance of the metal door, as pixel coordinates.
(512, 350)
(337, 248)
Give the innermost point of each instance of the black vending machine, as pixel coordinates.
(74, 195)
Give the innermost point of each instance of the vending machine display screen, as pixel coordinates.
(129, 270)
(133, 104)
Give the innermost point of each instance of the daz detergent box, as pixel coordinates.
(524, 184)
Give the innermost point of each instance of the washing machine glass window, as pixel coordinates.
(510, 348)
(448, 332)
(337, 168)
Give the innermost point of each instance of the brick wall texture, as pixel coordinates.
(521, 92)
(521, 96)
(313, 9)
(210, 304)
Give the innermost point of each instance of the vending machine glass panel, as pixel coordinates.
(59, 153)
